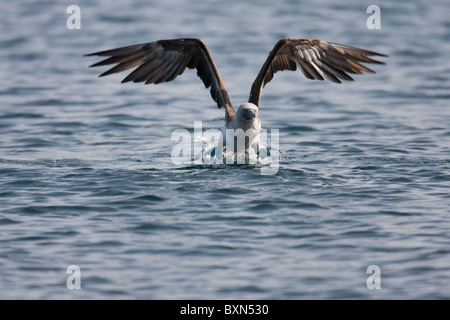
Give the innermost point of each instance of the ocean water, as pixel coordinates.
(87, 179)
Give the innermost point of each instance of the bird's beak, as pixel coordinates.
(248, 114)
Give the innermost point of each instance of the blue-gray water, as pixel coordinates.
(86, 176)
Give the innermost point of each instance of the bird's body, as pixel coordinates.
(163, 60)
(245, 126)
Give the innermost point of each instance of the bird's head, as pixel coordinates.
(248, 111)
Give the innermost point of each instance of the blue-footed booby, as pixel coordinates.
(164, 60)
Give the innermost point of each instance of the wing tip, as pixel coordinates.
(379, 54)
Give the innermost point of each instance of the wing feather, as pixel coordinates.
(164, 60)
(316, 59)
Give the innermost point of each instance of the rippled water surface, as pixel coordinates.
(86, 176)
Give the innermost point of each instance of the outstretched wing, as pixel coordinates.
(317, 60)
(163, 61)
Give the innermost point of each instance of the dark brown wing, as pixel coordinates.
(163, 61)
(315, 58)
